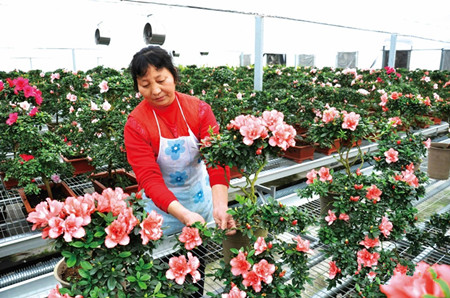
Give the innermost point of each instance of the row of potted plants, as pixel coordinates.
(105, 235)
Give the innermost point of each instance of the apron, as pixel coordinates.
(185, 174)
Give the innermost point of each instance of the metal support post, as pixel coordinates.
(392, 50)
(259, 41)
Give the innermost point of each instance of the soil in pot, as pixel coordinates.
(60, 192)
(120, 178)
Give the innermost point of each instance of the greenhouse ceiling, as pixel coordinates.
(50, 34)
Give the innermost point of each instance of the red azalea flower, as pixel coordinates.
(26, 157)
(12, 118)
(333, 270)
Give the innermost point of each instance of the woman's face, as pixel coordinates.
(157, 86)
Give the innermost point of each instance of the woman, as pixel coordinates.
(162, 137)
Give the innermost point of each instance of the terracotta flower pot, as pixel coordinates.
(81, 165)
(327, 151)
(234, 173)
(300, 152)
(99, 180)
(58, 189)
(439, 161)
(11, 183)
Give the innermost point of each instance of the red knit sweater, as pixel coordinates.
(142, 142)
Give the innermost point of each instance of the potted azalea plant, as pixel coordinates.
(108, 241)
(34, 152)
(366, 213)
(247, 143)
(102, 119)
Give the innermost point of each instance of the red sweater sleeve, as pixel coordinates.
(143, 161)
(207, 120)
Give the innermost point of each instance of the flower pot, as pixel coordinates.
(326, 203)
(100, 181)
(234, 173)
(60, 192)
(354, 144)
(327, 151)
(300, 152)
(439, 161)
(59, 273)
(81, 165)
(11, 183)
(300, 129)
(237, 241)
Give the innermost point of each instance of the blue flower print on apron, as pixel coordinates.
(185, 174)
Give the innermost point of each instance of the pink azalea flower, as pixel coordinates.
(395, 121)
(385, 226)
(373, 193)
(283, 136)
(151, 227)
(368, 242)
(178, 269)
(79, 208)
(33, 112)
(264, 270)
(260, 246)
(106, 106)
(190, 237)
(364, 257)
(311, 175)
(127, 216)
(2, 86)
(252, 279)
(333, 270)
(371, 275)
(103, 86)
(418, 285)
(302, 245)
(44, 211)
(331, 217)
(54, 293)
(117, 233)
(56, 227)
(427, 143)
(272, 119)
(344, 217)
(235, 293)
(12, 118)
(391, 155)
(354, 199)
(239, 264)
(73, 228)
(193, 264)
(350, 121)
(71, 97)
(329, 115)
(409, 177)
(111, 201)
(237, 122)
(253, 129)
(324, 174)
(400, 269)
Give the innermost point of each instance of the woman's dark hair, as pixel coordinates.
(151, 55)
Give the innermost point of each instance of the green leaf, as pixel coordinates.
(142, 285)
(234, 250)
(111, 283)
(157, 288)
(71, 261)
(444, 286)
(86, 265)
(83, 273)
(357, 288)
(125, 254)
(77, 244)
(99, 234)
(66, 254)
(131, 278)
(145, 277)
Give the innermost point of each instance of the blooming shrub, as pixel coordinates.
(35, 151)
(247, 142)
(109, 239)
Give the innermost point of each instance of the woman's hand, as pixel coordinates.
(220, 206)
(224, 220)
(192, 217)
